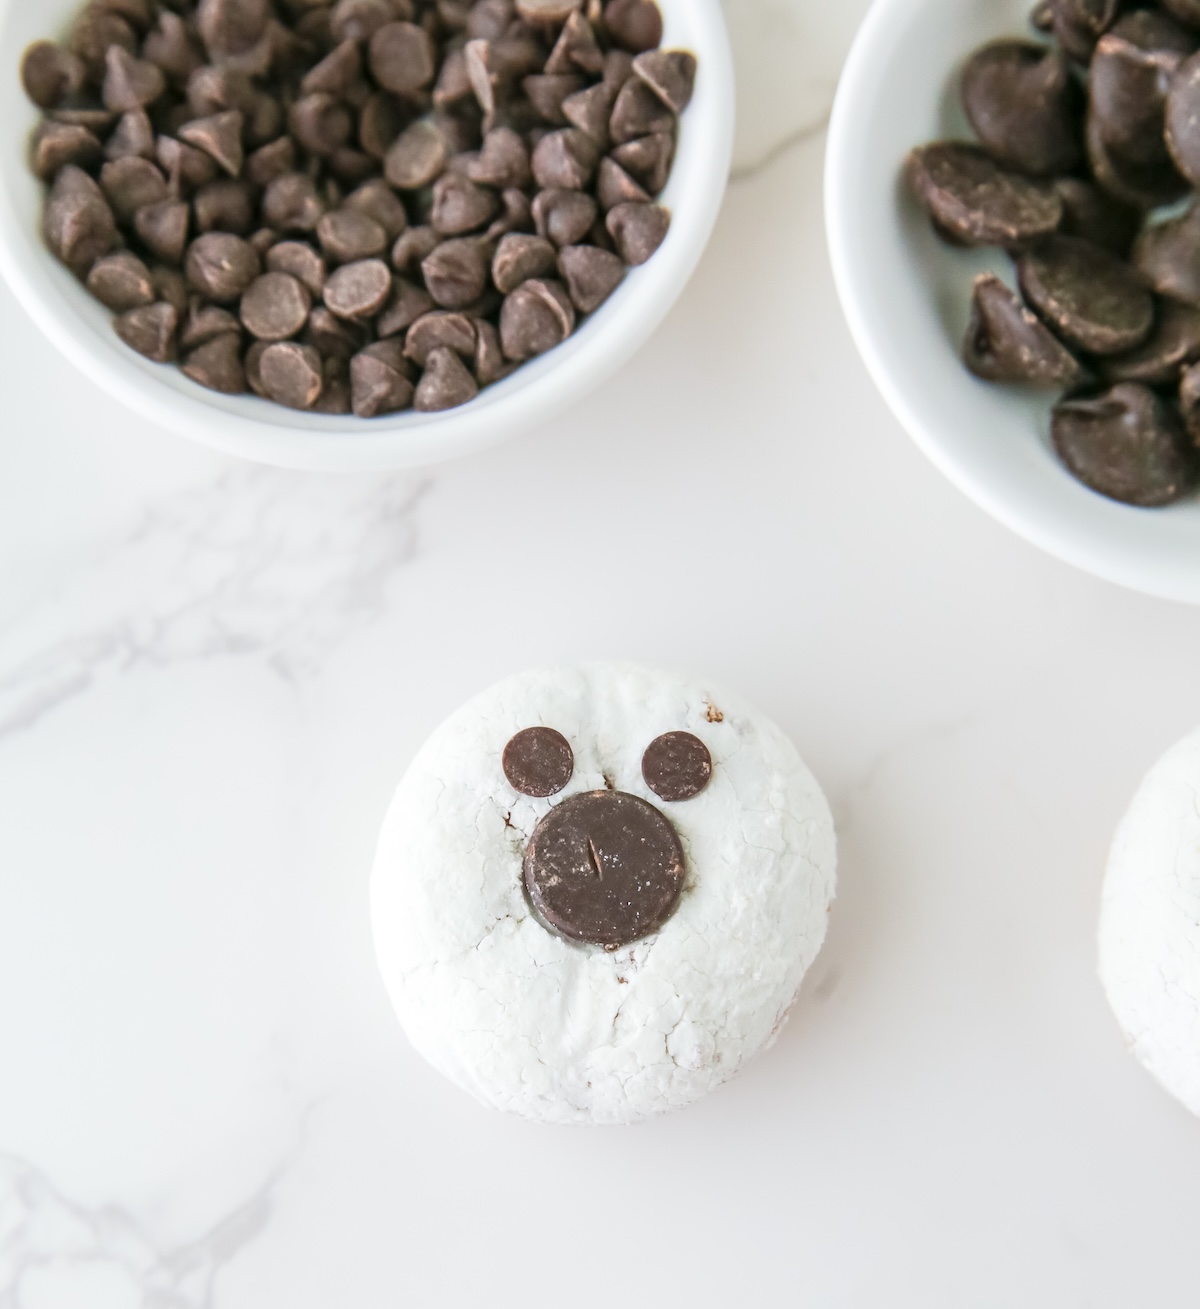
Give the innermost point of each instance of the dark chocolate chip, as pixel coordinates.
(78, 224)
(576, 49)
(547, 11)
(359, 290)
(1007, 343)
(171, 47)
(205, 323)
(402, 58)
(379, 381)
(51, 74)
(378, 201)
(220, 137)
(184, 165)
(604, 868)
(359, 20)
(503, 160)
(670, 74)
(412, 246)
(291, 203)
(638, 112)
(275, 306)
(379, 123)
(634, 25)
(1183, 120)
(591, 275)
(564, 217)
(171, 287)
(637, 230)
(131, 183)
(417, 157)
(615, 187)
(459, 206)
(333, 337)
(301, 261)
(516, 215)
(121, 282)
(130, 83)
(590, 111)
(979, 202)
(320, 123)
(1167, 255)
(226, 205)
(133, 135)
(336, 73)
(1128, 444)
(490, 363)
(230, 27)
(535, 318)
(519, 257)
(150, 330)
(677, 766)
(408, 303)
(1025, 105)
(222, 266)
(94, 33)
(548, 92)
(55, 145)
(647, 160)
(456, 272)
(1174, 343)
(1189, 402)
(445, 384)
(291, 374)
(565, 159)
(217, 365)
(347, 235)
(437, 329)
(1089, 297)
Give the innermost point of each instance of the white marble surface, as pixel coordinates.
(211, 677)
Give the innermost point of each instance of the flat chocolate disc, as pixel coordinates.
(677, 766)
(604, 867)
(538, 762)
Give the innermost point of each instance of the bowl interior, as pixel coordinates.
(245, 425)
(907, 296)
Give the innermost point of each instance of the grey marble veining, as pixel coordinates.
(258, 562)
(57, 1254)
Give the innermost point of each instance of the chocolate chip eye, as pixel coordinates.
(538, 762)
(677, 766)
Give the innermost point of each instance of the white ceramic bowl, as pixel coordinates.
(906, 296)
(247, 426)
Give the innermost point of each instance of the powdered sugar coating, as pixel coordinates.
(1150, 923)
(568, 1033)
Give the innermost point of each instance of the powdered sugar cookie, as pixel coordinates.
(1150, 923)
(597, 891)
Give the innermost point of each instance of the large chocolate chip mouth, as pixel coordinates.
(605, 868)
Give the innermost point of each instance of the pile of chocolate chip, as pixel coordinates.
(355, 206)
(1084, 172)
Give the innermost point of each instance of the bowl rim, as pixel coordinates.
(535, 393)
(1086, 547)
